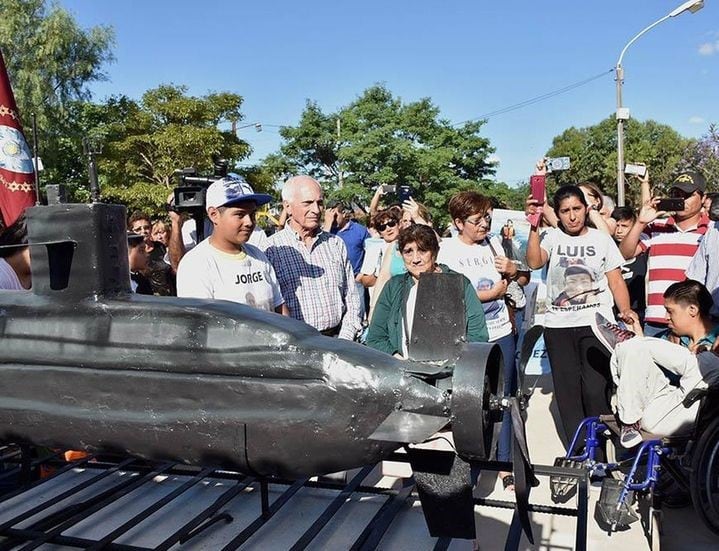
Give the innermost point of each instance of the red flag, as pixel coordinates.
(17, 179)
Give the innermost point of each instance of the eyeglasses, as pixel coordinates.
(388, 224)
(487, 219)
(140, 228)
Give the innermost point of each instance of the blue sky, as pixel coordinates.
(471, 57)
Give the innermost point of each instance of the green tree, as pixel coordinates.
(51, 61)
(703, 155)
(593, 152)
(98, 122)
(146, 142)
(378, 139)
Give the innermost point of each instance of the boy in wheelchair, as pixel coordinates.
(653, 375)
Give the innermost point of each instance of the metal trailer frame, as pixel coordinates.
(50, 528)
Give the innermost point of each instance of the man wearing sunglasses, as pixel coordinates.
(671, 242)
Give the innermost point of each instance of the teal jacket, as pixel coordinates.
(385, 331)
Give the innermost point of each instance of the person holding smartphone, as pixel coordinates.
(670, 243)
(583, 278)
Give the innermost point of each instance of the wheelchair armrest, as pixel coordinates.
(694, 395)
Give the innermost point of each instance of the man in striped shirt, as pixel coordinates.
(671, 243)
(312, 268)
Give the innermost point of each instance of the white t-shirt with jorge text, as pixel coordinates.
(246, 277)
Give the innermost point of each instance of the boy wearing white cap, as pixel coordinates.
(225, 266)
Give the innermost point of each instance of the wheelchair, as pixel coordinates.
(690, 461)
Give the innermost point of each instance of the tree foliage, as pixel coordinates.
(593, 152)
(51, 61)
(147, 141)
(703, 155)
(142, 143)
(378, 139)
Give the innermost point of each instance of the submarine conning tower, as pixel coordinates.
(78, 250)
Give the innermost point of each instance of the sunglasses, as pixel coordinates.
(487, 219)
(388, 224)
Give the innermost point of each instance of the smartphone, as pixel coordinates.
(634, 169)
(670, 204)
(537, 186)
(389, 188)
(403, 193)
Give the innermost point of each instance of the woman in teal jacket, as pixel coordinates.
(418, 246)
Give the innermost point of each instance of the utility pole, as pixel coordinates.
(339, 166)
(692, 6)
(622, 115)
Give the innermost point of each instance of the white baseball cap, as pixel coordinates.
(232, 189)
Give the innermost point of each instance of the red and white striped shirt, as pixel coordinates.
(670, 251)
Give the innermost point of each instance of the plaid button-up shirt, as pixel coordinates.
(317, 282)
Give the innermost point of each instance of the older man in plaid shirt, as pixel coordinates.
(312, 268)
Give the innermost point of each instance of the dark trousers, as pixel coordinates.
(580, 371)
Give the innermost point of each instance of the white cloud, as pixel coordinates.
(709, 48)
(696, 120)
(494, 159)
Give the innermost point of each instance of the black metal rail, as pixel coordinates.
(49, 523)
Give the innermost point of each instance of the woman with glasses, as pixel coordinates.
(387, 224)
(390, 263)
(480, 256)
(583, 280)
(391, 327)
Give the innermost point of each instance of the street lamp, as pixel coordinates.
(256, 125)
(622, 112)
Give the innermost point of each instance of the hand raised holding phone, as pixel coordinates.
(537, 197)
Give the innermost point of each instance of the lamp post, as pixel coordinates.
(257, 126)
(622, 112)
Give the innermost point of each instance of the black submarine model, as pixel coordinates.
(87, 364)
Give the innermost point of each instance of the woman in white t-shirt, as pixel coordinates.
(479, 256)
(583, 278)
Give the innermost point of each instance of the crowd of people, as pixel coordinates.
(618, 280)
(647, 268)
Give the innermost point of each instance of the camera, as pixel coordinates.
(403, 192)
(671, 204)
(190, 194)
(557, 164)
(635, 169)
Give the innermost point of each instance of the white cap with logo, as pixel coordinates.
(232, 189)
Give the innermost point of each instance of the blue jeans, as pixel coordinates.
(508, 346)
(653, 329)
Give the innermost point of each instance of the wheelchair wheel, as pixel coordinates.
(704, 478)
